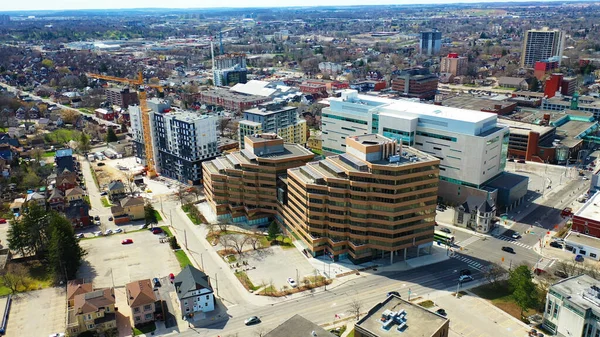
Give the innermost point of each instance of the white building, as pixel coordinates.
(573, 307)
(585, 245)
(471, 145)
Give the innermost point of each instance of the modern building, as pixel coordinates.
(415, 83)
(243, 185)
(454, 64)
(587, 219)
(142, 301)
(194, 292)
(430, 43)
(230, 69)
(539, 45)
(573, 307)
(298, 326)
(396, 317)
(376, 200)
(471, 145)
(122, 97)
(273, 118)
(578, 103)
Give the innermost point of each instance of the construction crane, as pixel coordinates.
(139, 82)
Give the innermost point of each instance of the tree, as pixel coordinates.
(30, 180)
(223, 226)
(29, 235)
(273, 230)
(254, 239)
(37, 153)
(196, 191)
(111, 136)
(494, 273)
(535, 84)
(64, 253)
(223, 124)
(15, 278)
(47, 63)
(84, 143)
(150, 215)
(524, 291)
(355, 307)
(235, 241)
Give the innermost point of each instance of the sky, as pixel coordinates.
(8, 5)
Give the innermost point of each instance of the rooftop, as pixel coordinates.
(578, 290)
(591, 209)
(522, 128)
(476, 103)
(298, 326)
(419, 322)
(582, 239)
(232, 95)
(265, 112)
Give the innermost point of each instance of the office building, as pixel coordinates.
(471, 145)
(573, 307)
(230, 69)
(243, 186)
(396, 317)
(454, 64)
(543, 44)
(273, 118)
(182, 140)
(230, 100)
(415, 83)
(376, 200)
(122, 97)
(587, 219)
(430, 43)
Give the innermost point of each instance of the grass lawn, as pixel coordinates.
(37, 276)
(105, 202)
(167, 230)
(245, 280)
(182, 258)
(49, 154)
(144, 329)
(158, 217)
(427, 304)
(93, 171)
(86, 110)
(351, 334)
(231, 258)
(500, 296)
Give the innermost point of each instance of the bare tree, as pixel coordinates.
(568, 267)
(223, 226)
(254, 239)
(15, 278)
(494, 273)
(197, 192)
(210, 227)
(182, 193)
(235, 241)
(129, 183)
(223, 124)
(260, 332)
(355, 307)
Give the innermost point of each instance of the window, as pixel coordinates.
(136, 310)
(555, 314)
(91, 326)
(594, 256)
(137, 318)
(187, 309)
(147, 307)
(207, 297)
(148, 316)
(582, 252)
(549, 307)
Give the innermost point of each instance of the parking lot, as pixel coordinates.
(109, 262)
(276, 264)
(38, 313)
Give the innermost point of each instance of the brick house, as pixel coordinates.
(56, 201)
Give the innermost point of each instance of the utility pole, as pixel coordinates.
(217, 283)
(201, 261)
(185, 238)
(112, 276)
(457, 289)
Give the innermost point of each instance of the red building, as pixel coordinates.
(230, 100)
(416, 82)
(107, 115)
(311, 88)
(587, 219)
(553, 85)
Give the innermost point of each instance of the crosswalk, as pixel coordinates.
(513, 241)
(473, 264)
(467, 242)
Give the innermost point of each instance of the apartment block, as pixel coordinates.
(430, 42)
(243, 185)
(230, 69)
(122, 97)
(471, 145)
(415, 83)
(454, 64)
(274, 118)
(230, 100)
(540, 45)
(376, 200)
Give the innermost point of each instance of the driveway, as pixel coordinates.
(38, 313)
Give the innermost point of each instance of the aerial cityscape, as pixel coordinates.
(300, 169)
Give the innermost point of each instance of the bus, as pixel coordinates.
(441, 237)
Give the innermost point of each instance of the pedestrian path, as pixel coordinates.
(467, 241)
(473, 264)
(513, 241)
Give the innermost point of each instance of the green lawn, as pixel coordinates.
(105, 202)
(351, 334)
(144, 329)
(500, 296)
(86, 111)
(167, 230)
(94, 176)
(49, 154)
(182, 258)
(158, 217)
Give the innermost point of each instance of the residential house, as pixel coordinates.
(78, 212)
(74, 194)
(476, 213)
(92, 311)
(17, 205)
(56, 201)
(64, 160)
(8, 152)
(66, 180)
(36, 198)
(194, 292)
(74, 288)
(142, 301)
(513, 82)
(116, 190)
(298, 326)
(129, 209)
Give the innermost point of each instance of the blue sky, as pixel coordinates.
(8, 5)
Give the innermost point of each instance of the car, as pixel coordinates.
(521, 161)
(58, 334)
(586, 178)
(97, 222)
(98, 233)
(252, 320)
(441, 312)
(108, 232)
(465, 272)
(127, 242)
(440, 209)
(511, 160)
(97, 217)
(118, 230)
(157, 230)
(445, 230)
(516, 235)
(556, 244)
(148, 191)
(579, 258)
(508, 250)
(110, 218)
(101, 164)
(171, 277)
(292, 282)
(393, 293)
(2, 221)
(156, 282)
(104, 193)
(561, 274)
(465, 278)
(79, 235)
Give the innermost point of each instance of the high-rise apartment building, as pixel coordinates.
(540, 45)
(430, 42)
(454, 64)
(230, 69)
(182, 140)
(122, 97)
(376, 200)
(273, 118)
(244, 186)
(471, 145)
(415, 83)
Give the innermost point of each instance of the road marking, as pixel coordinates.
(513, 241)
(468, 241)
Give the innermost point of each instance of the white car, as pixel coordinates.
(118, 230)
(465, 278)
(97, 222)
(516, 235)
(108, 232)
(98, 233)
(291, 282)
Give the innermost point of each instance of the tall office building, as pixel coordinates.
(273, 118)
(230, 69)
(471, 145)
(454, 64)
(540, 45)
(182, 140)
(430, 43)
(376, 200)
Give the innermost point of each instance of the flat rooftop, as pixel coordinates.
(522, 128)
(476, 103)
(591, 209)
(227, 94)
(258, 111)
(582, 239)
(574, 288)
(420, 322)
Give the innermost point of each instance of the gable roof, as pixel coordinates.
(77, 209)
(74, 191)
(34, 196)
(77, 287)
(190, 279)
(511, 80)
(475, 203)
(115, 185)
(131, 202)
(140, 293)
(298, 326)
(56, 193)
(93, 301)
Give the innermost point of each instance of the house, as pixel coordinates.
(66, 180)
(36, 198)
(129, 209)
(194, 292)
(92, 311)
(74, 194)
(298, 326)
(64, 160)
(107, 115)
(74, 288)
(116, 190)
(17, 205)
(78, 212)
(56, 201)
(513, 82)
(142, 301)
(476, 213)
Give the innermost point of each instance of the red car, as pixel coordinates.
(157, 230)
(171, 277)
(2, 221)
(127, 242)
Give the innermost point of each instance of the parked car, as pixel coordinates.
(157, 230)
(110, 218)
(445, 230)
(561, 274)
(556, 244)
(252, 320)
(579, 258)
(441, 311)
(118, 230)
(79, 235)
(2, 221)
(508, 250)
(156, 282)
(104, 193)
(516, 235)
(465, 278)
(101, 164)
(98, 233)
(97, 217)
(292, 282)
(521, 161)
(127, 242)
(108, 232)
(393, 293)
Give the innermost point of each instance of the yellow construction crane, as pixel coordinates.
(139, 82)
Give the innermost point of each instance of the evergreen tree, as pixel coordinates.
(150, 215)
(524, 290)
(111, 136)
(64, 253)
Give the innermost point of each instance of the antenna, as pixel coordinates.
(221, 42)
(212, 56)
